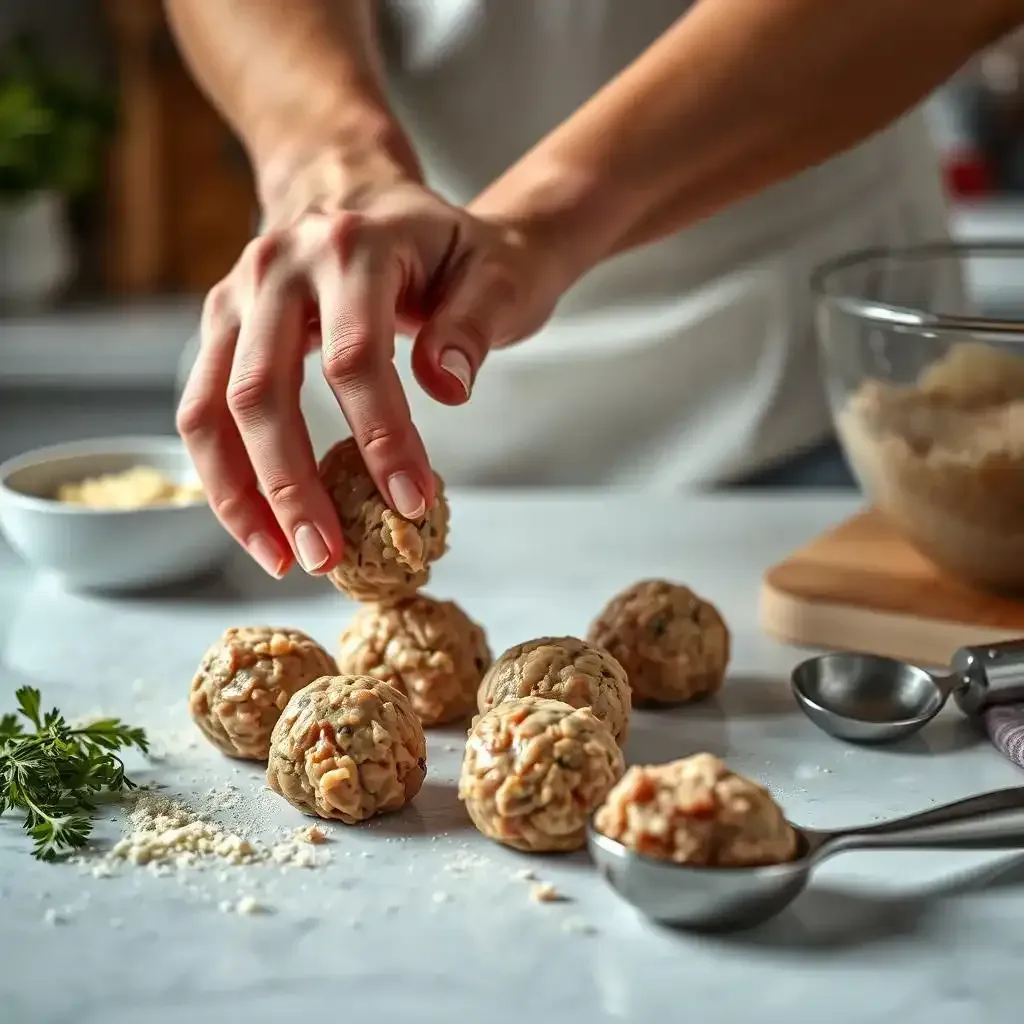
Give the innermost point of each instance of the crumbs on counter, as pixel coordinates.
(545, 892)
(168, 836)
(244, 906)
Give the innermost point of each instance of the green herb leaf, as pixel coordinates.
(9, 728)
(29, 700)
(55, 774)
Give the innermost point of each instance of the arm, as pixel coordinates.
(351, 240)
(296, 81)
(737, 95)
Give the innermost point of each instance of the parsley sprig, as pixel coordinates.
(54, 773)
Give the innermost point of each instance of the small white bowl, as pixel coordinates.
(107, 549)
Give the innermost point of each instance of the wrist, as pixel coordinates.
(305, 168)
(578, 216)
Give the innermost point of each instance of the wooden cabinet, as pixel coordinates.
(179, 203)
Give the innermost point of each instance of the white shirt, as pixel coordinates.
(688, 362)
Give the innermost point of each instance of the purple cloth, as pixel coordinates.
(1005, 728)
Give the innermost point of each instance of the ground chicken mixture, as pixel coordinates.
(673, 645)
(244, 681)
(386, 556)
(565, 669)
(696, 811)
(535, 770)
(430, 650)
(348, 747)
(944, 459)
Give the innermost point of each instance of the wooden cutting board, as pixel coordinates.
(861, 587)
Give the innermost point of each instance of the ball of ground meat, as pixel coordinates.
(696, 811)
(673, 645)
(244, 682)
(561, 668)
(535, 770)
(430, 650)
(386, 556)
(348, 748)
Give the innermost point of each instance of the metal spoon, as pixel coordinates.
(729, 899)
(870, 699)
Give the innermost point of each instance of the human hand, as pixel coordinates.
(344, 264)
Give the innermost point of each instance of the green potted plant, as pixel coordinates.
(53, 132)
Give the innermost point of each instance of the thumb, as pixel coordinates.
(452, 345)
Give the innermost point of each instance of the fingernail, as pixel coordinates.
(310, 547)
(454, 362)
(407, 497)
(265, 554)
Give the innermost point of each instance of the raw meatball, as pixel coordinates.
(244, 682)
(673, 645)
(430, 650)
(534, 772)
(695, 811)
(347, 747)
(562, 668)
(386, 557)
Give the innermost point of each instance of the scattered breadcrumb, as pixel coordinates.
(51, 917)
(244, 906)
(466, 862)
(441, 897)
(247, 906)
(545, 892)
(311, 834)
(167, 836)
(524, 875)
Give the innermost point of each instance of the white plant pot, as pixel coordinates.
(36, 256)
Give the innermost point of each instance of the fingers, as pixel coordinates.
(263, 396)
(216, 447)
(357, 313)
(450, 349)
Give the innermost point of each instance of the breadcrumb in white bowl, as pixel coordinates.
(141, 521)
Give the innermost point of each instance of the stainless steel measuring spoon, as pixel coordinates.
(729, 899)
(870, 699)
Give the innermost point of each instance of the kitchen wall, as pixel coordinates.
(72, 26)
(65, 376)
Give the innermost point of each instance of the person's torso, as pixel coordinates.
(685, 362)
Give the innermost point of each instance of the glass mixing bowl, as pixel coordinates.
(926, 385)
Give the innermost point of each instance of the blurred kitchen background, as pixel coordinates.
(132, 199)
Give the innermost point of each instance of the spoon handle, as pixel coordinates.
(991, 821)
(984, 676)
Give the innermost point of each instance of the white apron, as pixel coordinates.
(687, 363)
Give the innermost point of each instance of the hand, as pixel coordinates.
(344, 266)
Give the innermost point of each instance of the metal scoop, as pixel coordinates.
(870, 699)
(729, 899)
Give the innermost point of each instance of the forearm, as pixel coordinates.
(736, 96)
(292, 79)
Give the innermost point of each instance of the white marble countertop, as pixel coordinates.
(915, 938)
